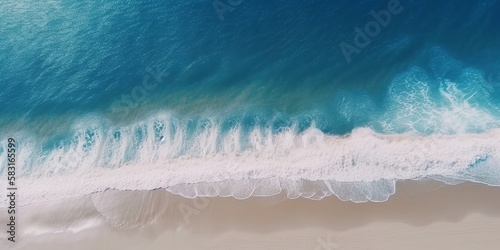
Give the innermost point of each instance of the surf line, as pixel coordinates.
(11, 189)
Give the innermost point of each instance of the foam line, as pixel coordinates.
(362, 166)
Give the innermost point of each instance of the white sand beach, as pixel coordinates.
(421, 215)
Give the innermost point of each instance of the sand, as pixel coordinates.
(422, 215)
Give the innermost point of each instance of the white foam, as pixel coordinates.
(416, 102)
(363, 166)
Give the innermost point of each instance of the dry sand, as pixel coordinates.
(422, 215)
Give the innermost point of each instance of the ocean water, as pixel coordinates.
(240, 98)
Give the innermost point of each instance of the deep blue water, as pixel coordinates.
(93, 68)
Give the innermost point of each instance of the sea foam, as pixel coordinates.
(163, 152)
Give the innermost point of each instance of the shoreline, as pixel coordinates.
(153, 219)
(363, 158)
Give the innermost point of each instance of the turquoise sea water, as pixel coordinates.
(250, 97)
